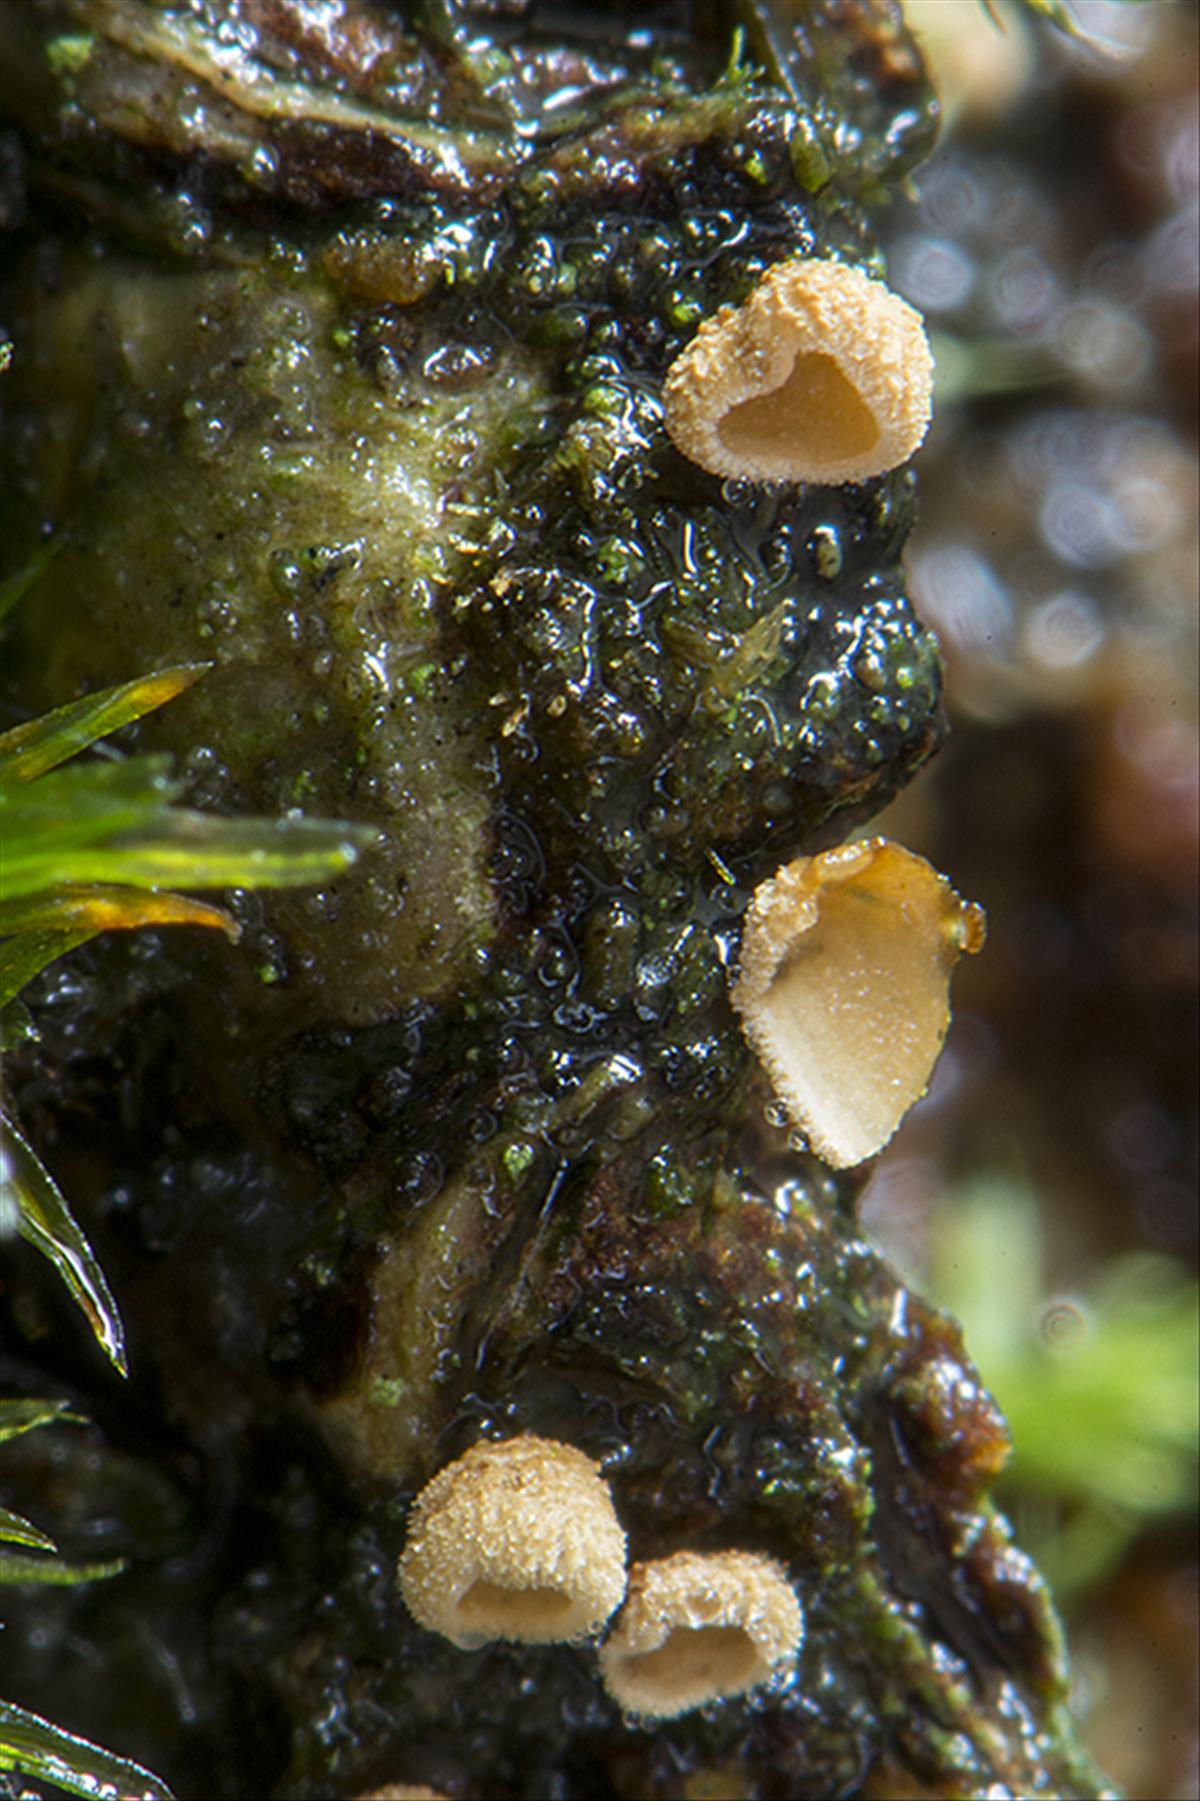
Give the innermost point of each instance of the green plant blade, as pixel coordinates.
(16, 1025)
(48, 825)
(17, 1568)
(199, 850)
(44, 1218)
(111, 823)
(47, 926)
(21, 1414)
(15, 587)
(25, 956)
(114, 909)
(31, 749)
(44, 1751)
(111, 909)
(20, 1531)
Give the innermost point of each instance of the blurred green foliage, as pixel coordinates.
(1100, 1388)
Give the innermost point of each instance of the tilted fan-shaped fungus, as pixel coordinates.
(844, 988)
(516, 1540)
(822, 375)
(698, 1626)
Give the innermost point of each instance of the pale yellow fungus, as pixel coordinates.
(516, 1540)
(822, 375)
(844, 988)
(696, 1627)
(403, 1791)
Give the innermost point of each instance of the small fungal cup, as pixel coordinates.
(515, 1540)
(822, 375)
(844, 988)
(698, 1627)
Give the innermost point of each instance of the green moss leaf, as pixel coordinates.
(43, 1217)
(21, 1531)
(44, 1751)
(200, 850)
(1099, 1388)
(24, 957)
(16, 586)
(82, 845)
(29, 750)
(53, 1571)
(45, 926)
(19, 1415)
(1106, 1404)
(49, 826)
(113, 823)
(16, 1024)
(100, 909)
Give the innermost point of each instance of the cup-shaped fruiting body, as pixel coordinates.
(403, 1791)
(698, 1626)
(844, 988)
(515, 1540)
(822, 375)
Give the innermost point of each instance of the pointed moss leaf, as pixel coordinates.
(25, 956)
(24, 1414)
(16, 586)
(31, 749)
(44, 1218)
(50, 827)
(110, 823)
(16, 1025)
(101, 909)
(21, 1532)
(17, 1568)
(200, 850)
(38, 1748)
(82, 913)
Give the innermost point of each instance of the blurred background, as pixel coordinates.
(1045, 1191)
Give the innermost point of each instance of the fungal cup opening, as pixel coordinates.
(856, 1003)
(844, 988)
(526, 1612)
(698, 1661)
(816, 403)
